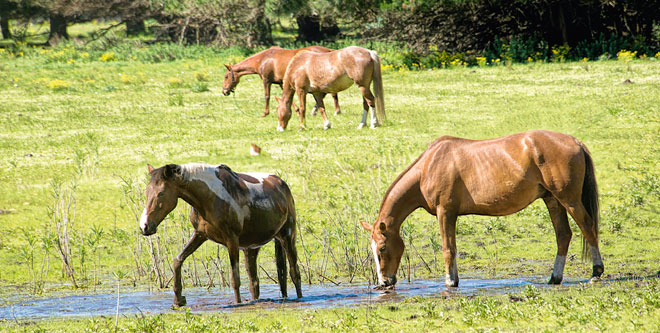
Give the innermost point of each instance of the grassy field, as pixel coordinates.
(79, 128)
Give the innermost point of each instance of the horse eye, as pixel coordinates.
(160, 194)
(382, 249)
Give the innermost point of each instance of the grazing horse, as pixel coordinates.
(271, 65)
(332, 72)
(242, 211)
(495, 177)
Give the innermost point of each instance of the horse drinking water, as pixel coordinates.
(271, 65)
(493, 177)
(332, 72)
(242, 211)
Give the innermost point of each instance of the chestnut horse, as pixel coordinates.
(493, 177)
(332, 72)
(242, 211)
(271, 65)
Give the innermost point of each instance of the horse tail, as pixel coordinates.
(378, 88)
(590, 197)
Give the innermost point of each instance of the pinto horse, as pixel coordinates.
(495, 177)
(271, 65)
(242, 211)
(332, 72)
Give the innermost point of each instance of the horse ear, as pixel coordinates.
(366, 226)
(150, 168)
(171, 170)
(228, 66)
(382, 227)
(277, 99)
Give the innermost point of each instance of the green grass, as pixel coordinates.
(97, 124)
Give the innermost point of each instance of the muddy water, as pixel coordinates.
(201, 300)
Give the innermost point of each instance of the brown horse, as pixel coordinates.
(332, 72)
(493, 177)
(242, 211)
(271, 65)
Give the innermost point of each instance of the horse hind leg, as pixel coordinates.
(288, 237)
(371, 101)
(563, 233)
(280, 261)
(365, 108)
(590, 234)
(251, 267)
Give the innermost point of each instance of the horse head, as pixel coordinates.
(284, 105)
(162, 196)
(230, 81)
(387, 248)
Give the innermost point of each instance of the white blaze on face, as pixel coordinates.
(143, 220)
(375, 251)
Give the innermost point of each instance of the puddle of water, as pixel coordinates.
(202, 300)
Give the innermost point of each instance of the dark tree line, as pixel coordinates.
(472, 25)
(456, 25)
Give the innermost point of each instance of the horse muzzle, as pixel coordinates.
(388, 283)
(227, 92)
(147, 230)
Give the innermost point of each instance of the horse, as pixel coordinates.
(271, 65)
(495, 177)
(242, 211)
(332, 72)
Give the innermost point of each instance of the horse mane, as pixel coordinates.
(396, 180)
(191, 170)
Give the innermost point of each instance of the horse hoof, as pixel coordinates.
(179, 302)
(360, 126)
(373, 126)
(265, 114)
(280, 129)
(554, 280)
(327, 126)
(594, 279)
(337, 112)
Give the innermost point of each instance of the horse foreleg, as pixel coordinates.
(319, 102)
(365, 108)
(280, 261)
(251, 267)
(336, 99)
(193, 244)
(447, 222)
(302, 98)
(232, 248)
(267, 97)
(563, 233)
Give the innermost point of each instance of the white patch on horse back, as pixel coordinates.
(558, 270)
(143, 219)
(378, 272)
(258, 196)
(595, 256)
(206, 174)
